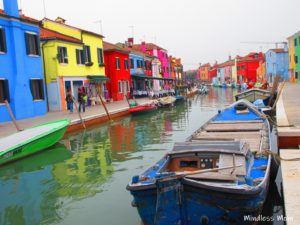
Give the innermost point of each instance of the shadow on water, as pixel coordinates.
(82, 180)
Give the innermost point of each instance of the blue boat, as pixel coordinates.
(179, 98)
(220, 175)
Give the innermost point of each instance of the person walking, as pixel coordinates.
(69, 100)
(81, 100)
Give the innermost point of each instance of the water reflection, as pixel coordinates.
(84, 178)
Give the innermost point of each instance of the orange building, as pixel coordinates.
(204, 72)
(261, 72)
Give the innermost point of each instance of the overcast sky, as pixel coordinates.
(198, 31)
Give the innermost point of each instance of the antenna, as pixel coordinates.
(45, 15)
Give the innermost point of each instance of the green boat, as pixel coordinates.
(31, 140)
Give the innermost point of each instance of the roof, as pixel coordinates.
(47, 34)
(205, 65)
(133, 50)
(111, 47)
(227, 63)
(278, 50)
(22, 17)
(82, 30)
(149, 46)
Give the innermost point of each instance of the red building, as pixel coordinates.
(117, 69)
(213, 72)
(247, 66)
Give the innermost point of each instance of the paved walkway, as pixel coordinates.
(114, 107)
(291, 102)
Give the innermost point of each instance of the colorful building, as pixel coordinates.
(178, 71)
(297, 55)
(261, 72)
(73, 58)
(247, 66)
(21, 67)
(213, 72)
(292, 63)
(277, 63)
(117, 69)
(204, 72)
(234, 72)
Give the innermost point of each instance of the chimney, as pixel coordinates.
(229, 58)
(130, 42)
(60, 20)
(143, 47)
(11, 7)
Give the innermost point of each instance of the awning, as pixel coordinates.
(149, 77)
(97, 78)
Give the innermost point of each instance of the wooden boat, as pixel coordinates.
(218, 176)
(141, 109)
(253, 94)
(166, 101)
(31, 140)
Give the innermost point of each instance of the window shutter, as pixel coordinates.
(4, 40)
(32, 88)
(77, 55)
(37, 41)
(6, 90)
(27, 43)
(59, 55)
(98, 53)
(66, 55)
(41, 88)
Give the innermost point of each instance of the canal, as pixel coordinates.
(82, 179)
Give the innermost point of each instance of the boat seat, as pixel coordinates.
(226, 160)
(215, 176)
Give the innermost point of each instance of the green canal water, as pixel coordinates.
(82, 180)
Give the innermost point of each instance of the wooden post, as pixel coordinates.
(12, 115)
(76, 106)
(103, 103)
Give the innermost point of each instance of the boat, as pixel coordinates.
(142, 109)
(253, 94)
(31, 140)
(179, 98)
(166, 101)
(218, 176)
(203, 90)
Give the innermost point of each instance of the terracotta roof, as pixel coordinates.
(135, 50)
(205, 65)
(227, 63)
(278, 50)
(84, 31)
(149, 46)
(47, 34)
(22, 17)
(111, 47)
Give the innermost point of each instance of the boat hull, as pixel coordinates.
(140, 110)
(252, 95)
(170, 205)
(33, 147)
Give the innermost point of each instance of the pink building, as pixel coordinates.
(159, 52)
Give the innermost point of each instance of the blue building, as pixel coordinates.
(21, 67)
(277, 63)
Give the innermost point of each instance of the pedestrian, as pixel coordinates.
(81, 100)
(69, 100)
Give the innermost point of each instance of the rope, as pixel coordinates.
(278, 157)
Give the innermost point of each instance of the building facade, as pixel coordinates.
(21, 67)
(117, 69)
(204, 72)
(277, 63)
(73, 59)
(297, 55)
(292, 63)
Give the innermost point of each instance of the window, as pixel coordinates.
(87, 55)
(296, 59)
(32, 44)
(296, 75)
(138, 64)
(100, 56)
(243, 67)
(4, 91)
(238, 68)
(118, 63)
(2, 40)
(131, 64)
(80, 56)
(62, 54)
(37, 89)
(295, 42)
(120, 86)
(127, 85)
(126, 64)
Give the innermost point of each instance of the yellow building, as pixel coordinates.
(73, 58)
(292, 64)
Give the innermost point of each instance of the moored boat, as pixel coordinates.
(166, 101)
(218, 176)
(179, 98)
(253, 94)
(142, 109)
(31, 140)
